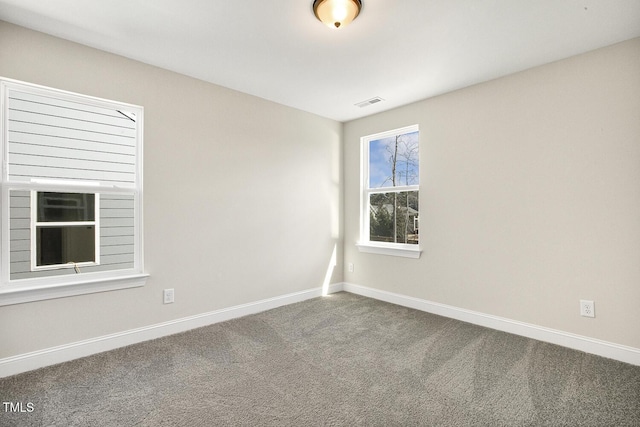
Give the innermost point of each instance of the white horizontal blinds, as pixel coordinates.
(19, 233)
(117, 232)
(54, 138)
(117, 236)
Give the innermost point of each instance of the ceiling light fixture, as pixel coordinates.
(336, 13)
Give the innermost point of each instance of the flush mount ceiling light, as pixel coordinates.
(336, 13)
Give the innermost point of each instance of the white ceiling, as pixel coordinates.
(399, 50)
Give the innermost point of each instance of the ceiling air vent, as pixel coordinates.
(369, 102)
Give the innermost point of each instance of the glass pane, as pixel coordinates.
(61, 245)
(394, 161)
(65, 207)
(393, 217)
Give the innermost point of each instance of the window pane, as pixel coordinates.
(65, 207)
(393, 161)
(61, 245)
(393, 217)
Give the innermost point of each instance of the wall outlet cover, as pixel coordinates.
(168, 296)
(587, 308)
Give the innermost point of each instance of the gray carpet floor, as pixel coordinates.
(342, 360)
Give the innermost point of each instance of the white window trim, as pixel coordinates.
(30, 290)
(35, 224)
(364, 244)
(37, 289)
(398, 249)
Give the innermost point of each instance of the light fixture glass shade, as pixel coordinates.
(336, 13)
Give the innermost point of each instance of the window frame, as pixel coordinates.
(365, 244)
(35, 224)
(16, 291)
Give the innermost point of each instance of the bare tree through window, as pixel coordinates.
(392, 184)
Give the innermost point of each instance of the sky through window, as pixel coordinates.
(381, 155)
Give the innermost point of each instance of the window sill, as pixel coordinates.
(406, 251)
(33, 290)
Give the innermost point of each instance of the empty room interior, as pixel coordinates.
(427, 213)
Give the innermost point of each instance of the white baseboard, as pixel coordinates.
(577, 342)
(51, 356)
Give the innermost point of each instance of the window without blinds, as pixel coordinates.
(390, 186)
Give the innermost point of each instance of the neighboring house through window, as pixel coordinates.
(389, 208)
(71, 194)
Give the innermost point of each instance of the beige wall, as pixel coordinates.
(530, 197)
(242, 196)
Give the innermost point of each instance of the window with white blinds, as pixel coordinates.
(56, 138)
(61, 154)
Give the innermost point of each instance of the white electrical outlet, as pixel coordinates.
(169, 295)
(350, 267)
(587, 308)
